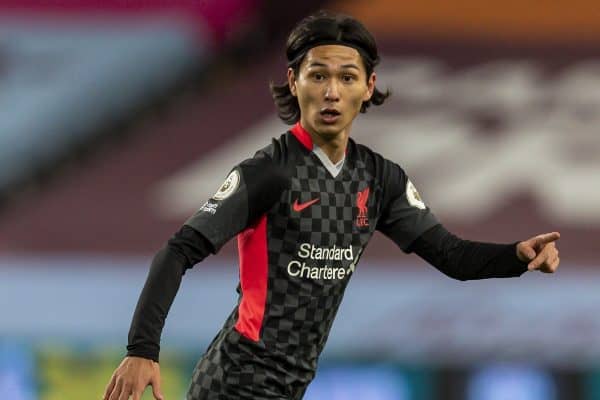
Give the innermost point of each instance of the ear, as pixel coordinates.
(370, 87)
(292, 81)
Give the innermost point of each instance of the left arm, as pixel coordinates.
(407, 221)
(466, 260)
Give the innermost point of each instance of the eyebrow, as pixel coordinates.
(319, 64)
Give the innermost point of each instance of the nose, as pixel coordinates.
(332, 92)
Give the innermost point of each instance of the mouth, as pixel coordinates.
(330, 115)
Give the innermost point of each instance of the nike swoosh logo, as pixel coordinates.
(299, 207)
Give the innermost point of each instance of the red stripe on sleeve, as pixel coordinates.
(254, 267)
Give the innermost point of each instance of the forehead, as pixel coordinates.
(333, 55)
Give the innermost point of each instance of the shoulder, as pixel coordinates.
(280, 149)
(383, 169)
(264, 170)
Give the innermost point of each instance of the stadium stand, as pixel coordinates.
(457, 103)
(63, 83)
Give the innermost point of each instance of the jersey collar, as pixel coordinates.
(302, 135)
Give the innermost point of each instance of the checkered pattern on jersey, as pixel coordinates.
(235, 368)
(300, 310)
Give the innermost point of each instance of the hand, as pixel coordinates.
(131, 378)
(540, 252)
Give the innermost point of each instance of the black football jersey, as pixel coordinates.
(296, 256)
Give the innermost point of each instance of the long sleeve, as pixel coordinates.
(404, 215)
(467, 260)
(250, 190)
(186, 248)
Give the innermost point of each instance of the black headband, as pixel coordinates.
(293, 56)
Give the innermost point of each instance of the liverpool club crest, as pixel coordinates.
(362, 198)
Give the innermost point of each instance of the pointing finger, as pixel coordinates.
(545, 238)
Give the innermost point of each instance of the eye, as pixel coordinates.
(348, 78)
(318, 76)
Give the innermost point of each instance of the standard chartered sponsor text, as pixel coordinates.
(309, 251)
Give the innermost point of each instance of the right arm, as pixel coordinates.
(185, 249)
(249, 191)
(140, 367)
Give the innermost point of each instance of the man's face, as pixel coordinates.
(331, 86)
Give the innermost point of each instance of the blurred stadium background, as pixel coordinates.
(119, 118)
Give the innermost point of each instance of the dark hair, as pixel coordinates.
(318, 29)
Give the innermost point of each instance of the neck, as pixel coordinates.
(333, 146)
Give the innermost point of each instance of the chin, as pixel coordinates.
(329, 131)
